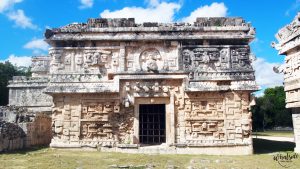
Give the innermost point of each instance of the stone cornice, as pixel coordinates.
(126, 29)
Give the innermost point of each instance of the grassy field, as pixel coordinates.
(77, 159)
(275, 133)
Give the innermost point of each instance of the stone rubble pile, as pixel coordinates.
(22, 129)
(11, 136)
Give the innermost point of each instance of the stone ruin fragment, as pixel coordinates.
(21, 129)
(288, 44)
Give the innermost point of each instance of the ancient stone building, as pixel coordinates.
(122, 86)
(288, 44)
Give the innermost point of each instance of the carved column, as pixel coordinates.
(136, 124)
(172, 120)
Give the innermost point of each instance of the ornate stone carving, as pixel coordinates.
(55, 63)
(96, 120)
(240, 58)
(215, 119)
(216, 65)
(150, 88)
(205, 59)
(150, 60)
(201, 59)
(97, 58)
(289, 31)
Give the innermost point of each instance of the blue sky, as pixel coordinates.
(23, 22)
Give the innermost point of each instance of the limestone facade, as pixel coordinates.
(288, 44)
(28, 92)
(107, 76)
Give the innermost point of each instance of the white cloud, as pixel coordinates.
(294, 7)
(37, 44)
(160, 11)
(21, 20)
(18, 60)
(265, 76)
(86, 4)
(7, 4)
(155, 12)
(213, 10)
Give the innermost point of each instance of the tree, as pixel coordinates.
(258, 115)
(7, 71)
(270, 110)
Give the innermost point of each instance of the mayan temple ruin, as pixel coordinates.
(288, 44)
(116, 85)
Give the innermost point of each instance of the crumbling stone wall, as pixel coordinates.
(22, 129)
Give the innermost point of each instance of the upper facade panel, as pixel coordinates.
(210, 49)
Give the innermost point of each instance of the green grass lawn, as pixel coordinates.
(275, 133)
(79, 159)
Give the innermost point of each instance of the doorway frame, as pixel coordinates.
(158, 110)
(170, 118)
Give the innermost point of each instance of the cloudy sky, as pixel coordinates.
(23, 22)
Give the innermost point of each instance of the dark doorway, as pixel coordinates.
(152, 120)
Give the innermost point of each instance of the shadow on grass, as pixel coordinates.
(262, 146)
(25, 151)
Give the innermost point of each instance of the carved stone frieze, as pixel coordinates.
(85, 122)
(292, 67)
(204, 59)
(216, 119)
(240, 59)
(158, 88)
(77, 61)
(96, 123)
